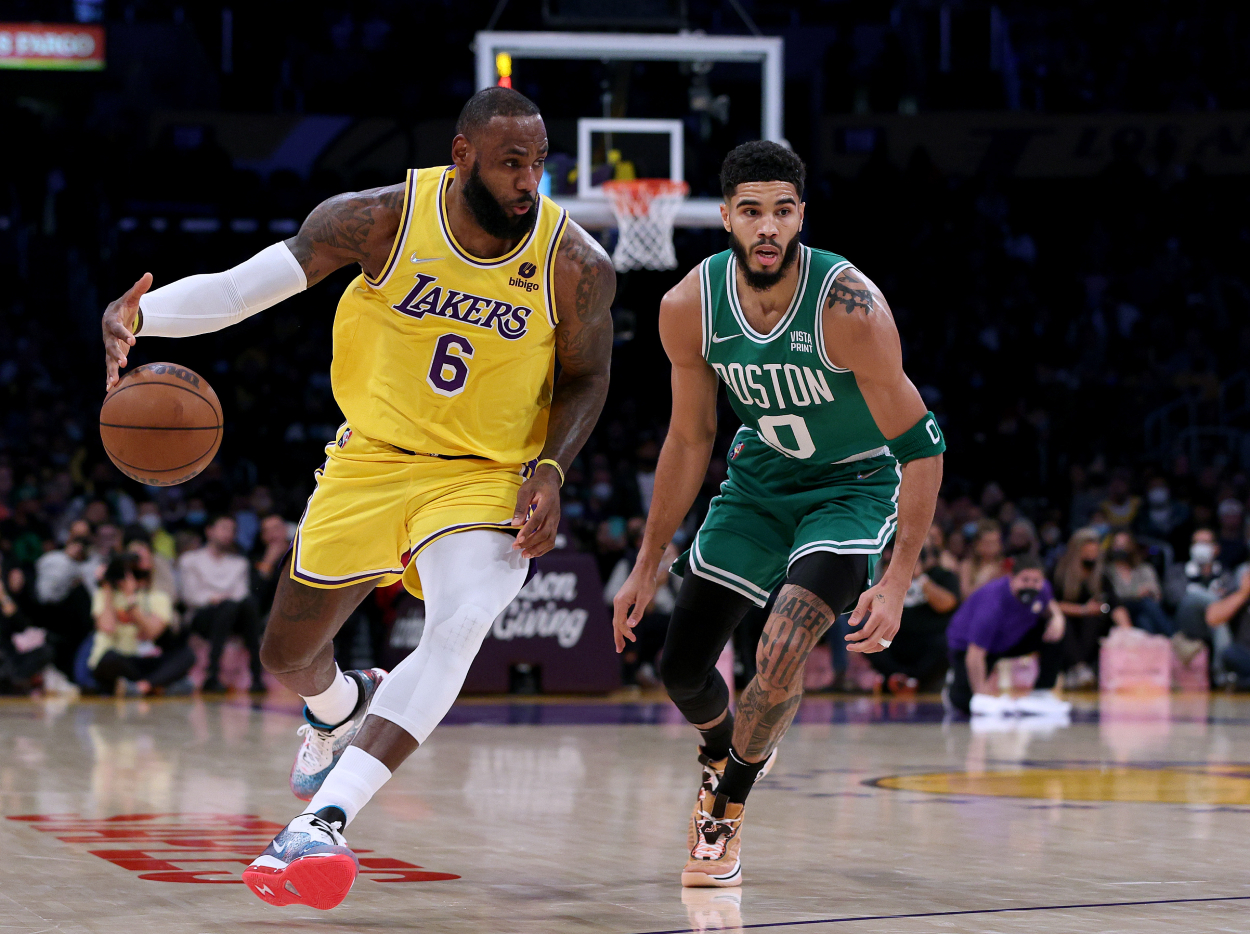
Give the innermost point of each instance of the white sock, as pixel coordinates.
(336, 703)
(351, 783)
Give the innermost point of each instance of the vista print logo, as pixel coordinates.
(537, 611)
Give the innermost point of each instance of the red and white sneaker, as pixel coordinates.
(323, 745)
(307, 863)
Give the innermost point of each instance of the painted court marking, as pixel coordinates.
(971, 911)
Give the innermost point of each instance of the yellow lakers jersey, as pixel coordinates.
(447, 353)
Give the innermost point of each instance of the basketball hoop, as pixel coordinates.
(645, 210)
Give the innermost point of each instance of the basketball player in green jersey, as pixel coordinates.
(836, 455)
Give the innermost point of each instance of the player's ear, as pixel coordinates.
(802, 213)
(461, 151)
(724, 217)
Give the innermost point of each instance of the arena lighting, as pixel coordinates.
(39, 47)
(503, 65)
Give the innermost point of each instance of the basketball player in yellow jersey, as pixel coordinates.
(447, 471)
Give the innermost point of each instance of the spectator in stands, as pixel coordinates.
(1085, 600)
(158, 566)
(917, 656)
(1232, 540)
(1136, 587)
(1162, 515)
(129, 618)
(149, 516)
(275, 542)
(215, 587)
(1193, 588)
(1021, 538)
(65, 602)
(1120, 507)
(1233, 613)
(105, 544)
(1007, 618)
(986, 563)
(24, 647)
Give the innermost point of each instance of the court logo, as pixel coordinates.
(193, 847)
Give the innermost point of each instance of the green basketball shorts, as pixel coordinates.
(773, 510)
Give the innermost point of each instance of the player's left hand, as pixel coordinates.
(537, 512)
(883, 607)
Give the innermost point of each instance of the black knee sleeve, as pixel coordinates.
(836, 579)
(704, 617)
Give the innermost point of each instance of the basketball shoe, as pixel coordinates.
(307, 863)
(714, 859)
(323, 745)
(712, 772)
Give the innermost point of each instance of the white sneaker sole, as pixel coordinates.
(694, 880)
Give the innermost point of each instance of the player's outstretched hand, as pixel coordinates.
(537, 512)
(630, 603)
(118, 338)
(883, 608)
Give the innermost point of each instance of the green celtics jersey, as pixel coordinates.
(782, 384)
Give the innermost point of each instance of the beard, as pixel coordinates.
(490, 215)
(763, 281)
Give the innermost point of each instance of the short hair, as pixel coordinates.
(489, 103)
(761, 161)
(1027, 562)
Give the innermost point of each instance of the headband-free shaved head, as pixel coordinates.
(489, 103)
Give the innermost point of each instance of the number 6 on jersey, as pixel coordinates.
(449, 368)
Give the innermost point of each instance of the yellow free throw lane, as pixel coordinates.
(1213, 785)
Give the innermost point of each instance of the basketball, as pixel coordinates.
(162, 424)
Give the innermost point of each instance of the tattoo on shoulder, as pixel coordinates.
(345, 224)
(850, 294)
(585, 331)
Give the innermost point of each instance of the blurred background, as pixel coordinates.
(1053, 197)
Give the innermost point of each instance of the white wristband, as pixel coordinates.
(202, 304)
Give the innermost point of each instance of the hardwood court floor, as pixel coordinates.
(134, 817)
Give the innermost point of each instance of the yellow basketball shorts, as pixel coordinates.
(377, 507)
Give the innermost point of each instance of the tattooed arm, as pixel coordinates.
(585, 284)
(352, 228)
(684, 457)
(357, 227)
(861, 336)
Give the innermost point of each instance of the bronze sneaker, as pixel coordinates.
(714, 858)
(712, 772)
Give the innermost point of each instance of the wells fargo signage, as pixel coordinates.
(39, 47)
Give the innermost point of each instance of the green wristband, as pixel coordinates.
(923, 439)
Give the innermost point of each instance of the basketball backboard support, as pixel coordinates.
(767, 51)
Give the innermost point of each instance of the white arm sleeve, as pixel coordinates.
(202, 304)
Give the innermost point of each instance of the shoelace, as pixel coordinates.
(716, 849)
(318, 749)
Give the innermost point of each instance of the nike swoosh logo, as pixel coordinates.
(721, 340)
(279, 849)
(427, 259)
(865, 476)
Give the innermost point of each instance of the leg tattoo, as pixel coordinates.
(770, 701)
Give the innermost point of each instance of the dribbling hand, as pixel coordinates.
(118, 338)
(537, 512)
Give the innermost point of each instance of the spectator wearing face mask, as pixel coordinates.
(1192, 588)
(1007, 618)
(1136, 586)
(149, 516)
(987, 562)
(1086, 601)
(918, 653)
(1162, 517)
(130, 618)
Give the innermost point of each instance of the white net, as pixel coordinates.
(645, 210)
